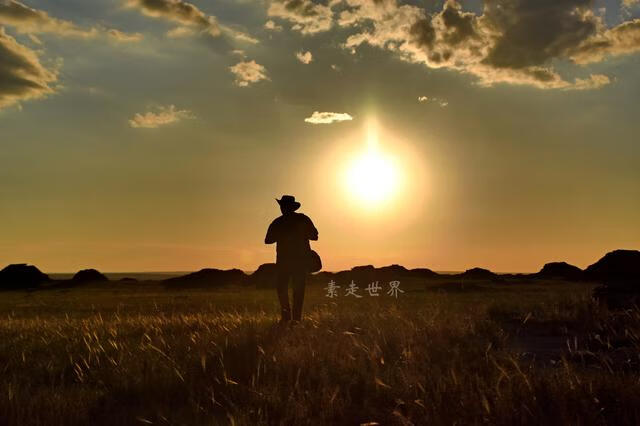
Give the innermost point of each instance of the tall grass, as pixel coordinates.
(142, 356)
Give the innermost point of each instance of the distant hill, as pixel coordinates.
(21, 276)
(264, 276)
(477, 274)
(89, 276)
(209, 277)
(560, 270)
(616, 266)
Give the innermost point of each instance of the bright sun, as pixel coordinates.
(372, 177)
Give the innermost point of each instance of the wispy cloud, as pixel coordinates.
(327, 117)
(248, 72)
(181, 32)
(29, 20)
(163, 116)
(304, 57)
(124, 37)
(272, 26)
(182, 12)
(439, 102)
(239, 35)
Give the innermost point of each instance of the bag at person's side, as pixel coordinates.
(314, 263)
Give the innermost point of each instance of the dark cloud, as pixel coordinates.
(192, 20)
(178, 11)
(532, 33)
(512, 41)
(307, 16)
(460, 26)
(22, 76)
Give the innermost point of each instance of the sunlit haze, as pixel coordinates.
(139, 138)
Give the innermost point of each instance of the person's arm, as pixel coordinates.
(313, 232)
(271, 237)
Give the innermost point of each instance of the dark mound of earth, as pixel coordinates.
(264, 276)
(422, 273)
(561, 270)
(368, 273)
(21, 276)
(616, 267)
(619, 272)
(210, 277)
(89, 275)
(478, 274)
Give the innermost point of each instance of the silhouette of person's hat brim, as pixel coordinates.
(289, 201)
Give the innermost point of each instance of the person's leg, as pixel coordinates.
(299, 283)
(282, 285)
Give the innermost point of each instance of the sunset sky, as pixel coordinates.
(154, 135)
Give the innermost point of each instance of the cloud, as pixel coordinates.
(239, 35)
(248, 72)
(180, 32)
(272, 26)
(439, 102)
(124, 37)
(178, 11)
(22, 76)
(28, 20)
(163, 116)
(327, 117)
(304, 57)
(512, 41)
(192, 20)
(306, 16)
(623, 39)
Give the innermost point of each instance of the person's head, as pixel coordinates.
(288, 204)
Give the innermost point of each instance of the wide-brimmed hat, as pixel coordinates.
(289, 201)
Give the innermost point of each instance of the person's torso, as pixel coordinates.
(293, 231)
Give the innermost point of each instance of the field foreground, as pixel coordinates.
(439, 354)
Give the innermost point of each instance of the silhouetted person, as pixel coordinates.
(292, 232)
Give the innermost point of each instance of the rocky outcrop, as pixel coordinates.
(264, 276)
(21, 276)
(618, 266)
(619, 274)
(209, 277)
(368, 273)
(560, 270)
(477, 274)
(425, 273)
(89, 276)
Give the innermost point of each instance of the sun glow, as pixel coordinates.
(372, 179)
(372, 176)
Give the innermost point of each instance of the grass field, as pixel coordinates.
(439, 354)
